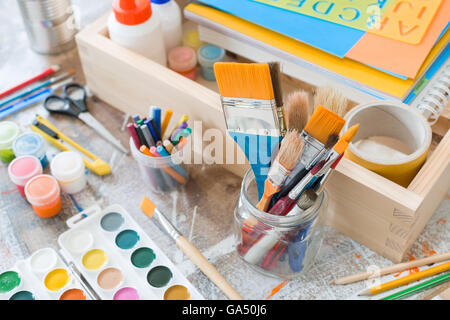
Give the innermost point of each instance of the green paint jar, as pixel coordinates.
(9, 131)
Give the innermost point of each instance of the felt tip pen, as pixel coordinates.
(132, 130)
(167, 116)
(150, 126)
(180, 128)
(147, 135)
(184, 133)
(157, 118)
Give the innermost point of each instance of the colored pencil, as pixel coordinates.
(395, 268)
(419, 287)
(405, 280)
(38, 77)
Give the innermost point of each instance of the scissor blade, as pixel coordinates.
(87, 118)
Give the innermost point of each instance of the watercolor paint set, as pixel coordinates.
(109, 257)
(42, 276)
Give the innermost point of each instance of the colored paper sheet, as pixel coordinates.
(407, 21)
(349, 68)
(361, 14)
(327, 36)
(396, 56)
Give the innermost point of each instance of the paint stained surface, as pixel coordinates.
(57, 279)
(95, 259)
(110, 278)
(127, 239)
(142, 257)
(8, 281)
(177, 292)
(112, 221)
(159, 276)
(73, 294)
(22, 295)
(126, 293)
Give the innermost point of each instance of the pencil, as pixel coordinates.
(405, 280)
(395, 268)
(419, 287)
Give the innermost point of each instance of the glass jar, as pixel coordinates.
(278, 246)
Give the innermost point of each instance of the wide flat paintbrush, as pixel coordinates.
(250, 111)
(290, 151)
(275, 74)
(332, 99)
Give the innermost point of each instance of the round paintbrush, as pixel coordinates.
(331, 99)
(290, 151)
(307, 199)
(297, 110)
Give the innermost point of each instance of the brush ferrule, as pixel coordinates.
(167, 225)
(251, 116)
(311, 150)
(277, 174)
(298, 189)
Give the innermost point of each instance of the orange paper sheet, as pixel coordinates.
(397, 56)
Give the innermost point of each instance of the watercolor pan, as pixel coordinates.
(119, 260)
(42, 276)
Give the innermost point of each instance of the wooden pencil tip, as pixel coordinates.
(365, 293)
(148, 207)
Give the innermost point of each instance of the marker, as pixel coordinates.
(186, 132)
(181, 127)
(147, 135)
(136, 118)
(157, 118)
(152, 130)
(132, 130)
(167, 116)
(140, 135)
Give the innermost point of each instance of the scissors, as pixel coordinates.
(73, 103)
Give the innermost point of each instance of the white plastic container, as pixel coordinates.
(170, 16)
(68, 169)
(133, 25)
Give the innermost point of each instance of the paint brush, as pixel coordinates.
(149, 208)
(332, 99)
(297, 110)
(290, 151)
(39, 86)
(38, 77)
(320, 126)
(275, 74)
(250, 112)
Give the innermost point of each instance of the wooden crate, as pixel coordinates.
(365, 206)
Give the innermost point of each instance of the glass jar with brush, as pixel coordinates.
(278, 246)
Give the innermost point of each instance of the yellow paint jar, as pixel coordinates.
(393, 140)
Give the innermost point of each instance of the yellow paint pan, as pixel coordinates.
(393, 140)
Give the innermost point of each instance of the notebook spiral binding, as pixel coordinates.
(436, 98)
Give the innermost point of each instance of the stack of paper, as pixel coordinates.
(334, 39)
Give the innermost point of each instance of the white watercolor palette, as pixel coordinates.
(119, 260)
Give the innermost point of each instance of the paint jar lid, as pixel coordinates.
(9, 131)
(132, 12)
(24, 168)
(67, 166)
(182, 59)
(42, 190)
(160, 1)
(209, 54)
(191, 39)
(29, 143)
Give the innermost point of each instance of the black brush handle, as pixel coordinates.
(297, 174)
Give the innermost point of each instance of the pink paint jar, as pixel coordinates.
(22, 169)
(184, 61)
(44, 194)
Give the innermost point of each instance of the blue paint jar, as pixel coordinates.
(31, 144)
(209, 54)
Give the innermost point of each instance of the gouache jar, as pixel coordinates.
(68, 168)
(9, 131)
(277, 246)
(161, 174)
(184, 61)
(31, 144)
(44, 195)
(22, 169)
(191, 39)
(209, 54)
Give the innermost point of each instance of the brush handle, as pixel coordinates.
(207, 268)
(283, 206)
(297, 174)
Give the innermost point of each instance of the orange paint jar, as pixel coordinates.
(44, 195)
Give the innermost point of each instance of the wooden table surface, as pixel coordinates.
(202, 210)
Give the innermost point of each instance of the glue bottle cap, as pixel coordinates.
(132, 12)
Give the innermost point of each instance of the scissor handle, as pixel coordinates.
(77, 93)
(57, 104)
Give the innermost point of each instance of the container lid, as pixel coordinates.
(132, 12)
(29, 143)
(9, 131)
(209, 54)
(191, 39)
(182, 59)
(160, 1)
(67, 166)
(42, 189)
(24, 168)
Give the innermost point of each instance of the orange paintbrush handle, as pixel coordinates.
(269, 191)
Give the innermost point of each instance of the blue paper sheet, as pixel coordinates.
(330, 37)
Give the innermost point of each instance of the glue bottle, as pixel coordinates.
(133, 25)
(170, 16)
